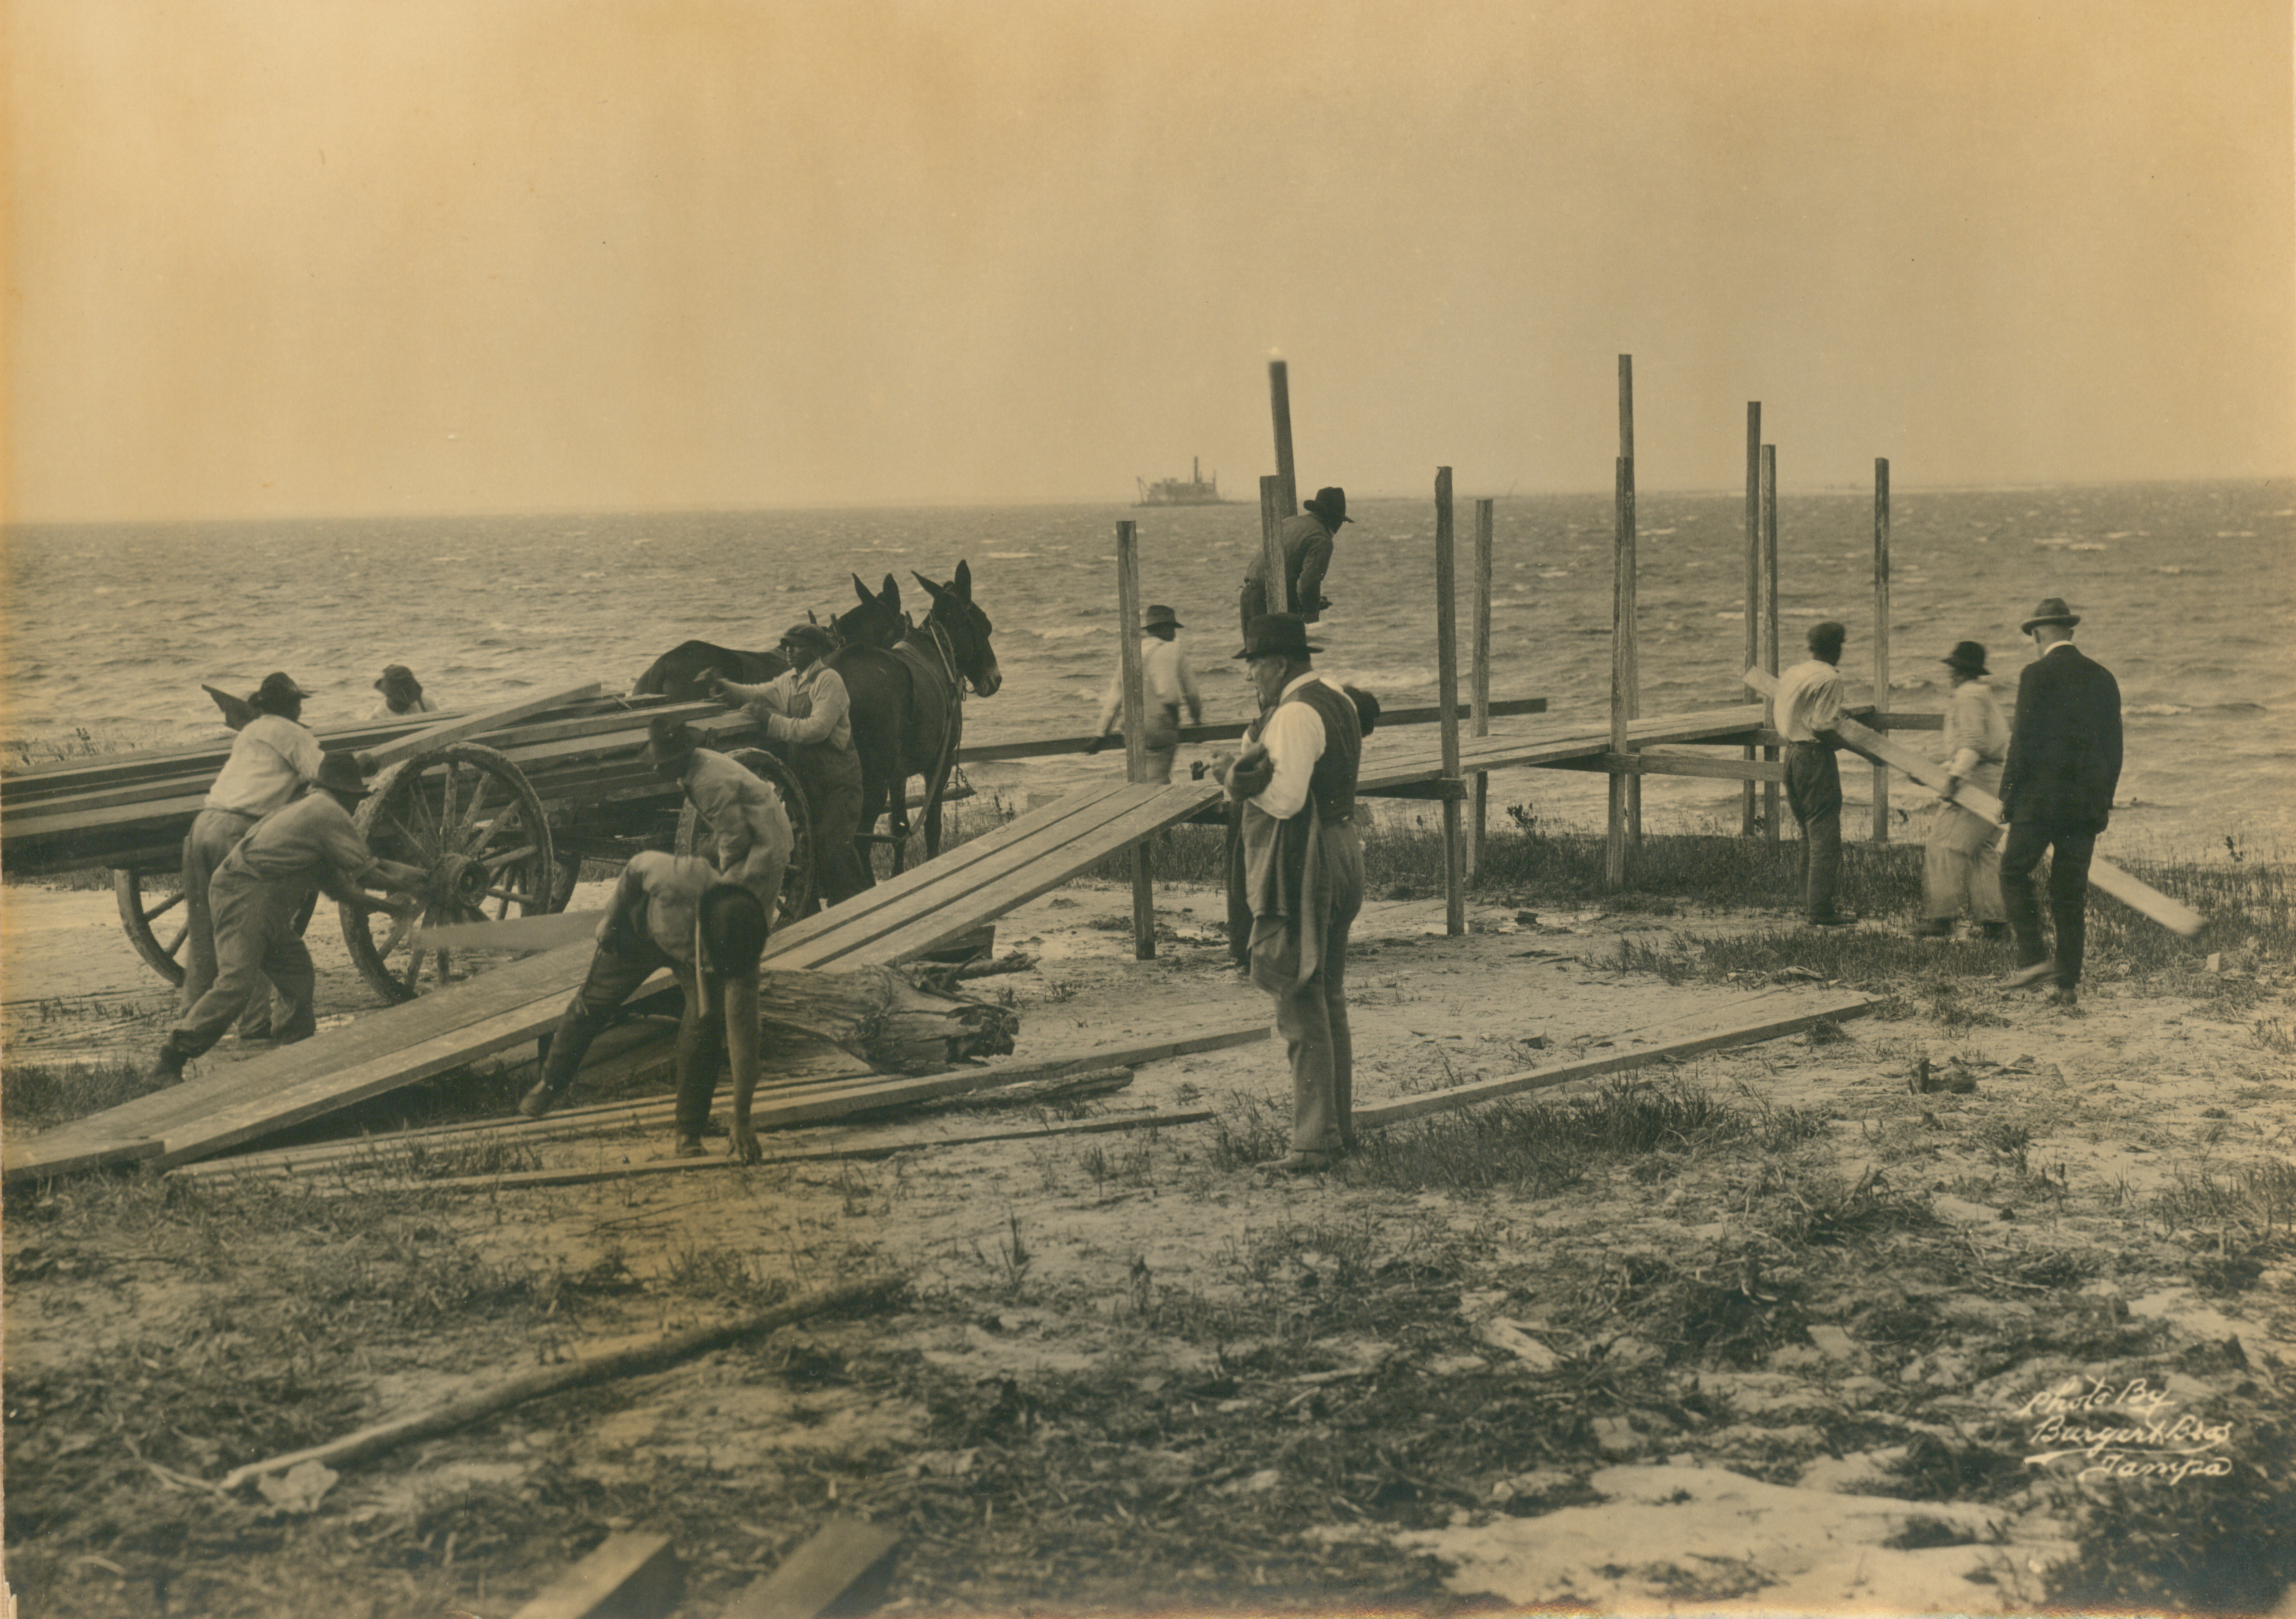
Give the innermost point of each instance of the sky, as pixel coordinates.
(287, 257)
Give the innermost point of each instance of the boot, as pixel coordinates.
(1933, 927)
(1993, 932)
(545, 1096)
(167, 1067)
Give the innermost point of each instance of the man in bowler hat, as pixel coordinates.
(1962, 858)
(2057, 793)
(1295, 788)
(1166, 683)
(1307, 543)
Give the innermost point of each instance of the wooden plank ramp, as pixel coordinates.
(896, 921)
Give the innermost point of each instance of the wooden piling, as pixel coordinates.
(1279, 403)
(1479, 679)
(1622, 622)
(1769, 568)
(1881, 639)
(1747, 815)
(1634, 586)
(1271, 546)
(1135, 727)
(1447, 689)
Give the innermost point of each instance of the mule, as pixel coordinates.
(908, 706)
(877, 621)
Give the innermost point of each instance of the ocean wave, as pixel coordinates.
(2088, 545)
(2171, 568)
(1065, 632)
(2158, 708)
(2235, 533)
(1015, 556)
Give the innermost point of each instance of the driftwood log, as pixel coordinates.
(883, 1017)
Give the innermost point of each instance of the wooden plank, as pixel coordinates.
(848, 1566)
(2131, 890)
(433, 737)
(1390, 719)
(1674, 764)
(523, 935)
(630, 1576)
(574, 1374)
(1562, 1073)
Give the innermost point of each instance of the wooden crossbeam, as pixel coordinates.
(430, 738)
(2134, 892)
(1675, 764)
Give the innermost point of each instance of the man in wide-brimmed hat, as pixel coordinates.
(1307, 543)
(679, 913)
(809, 716)
(748, 822)
(402, 693)
(1166, 683)
(2057, 784)
(1808, 705)
(1962, 860)
(1295, 786)
(258, 891)
(273, 758)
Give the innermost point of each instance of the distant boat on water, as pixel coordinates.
(1190, 490)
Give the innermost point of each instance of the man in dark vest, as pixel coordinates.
(1307, 543)
(2056, 794)
(1295, 786)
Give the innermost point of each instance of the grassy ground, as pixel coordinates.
(1333, 1370)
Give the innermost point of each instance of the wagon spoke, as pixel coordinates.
(478, 798)
(494, 862)
(510, 896)
(447, 799)
(176, 944)
(165, 906)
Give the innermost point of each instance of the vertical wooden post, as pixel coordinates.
(1279, 402)
(1271, 546)
(1881, 639)
(1622, 620)
(1746, 812)
(1633, 584)
(1770, 807)
(1135, 727)
(1479, 679)
(1446, 688)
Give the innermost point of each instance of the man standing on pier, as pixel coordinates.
(2056, 794)
(1166, 682)
(1307, 543)
(807, 713)
(258, 891)
(1808, 706)
(1295, 787)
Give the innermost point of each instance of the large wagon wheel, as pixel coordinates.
(797, 879)
(152, 911)
(467, 816)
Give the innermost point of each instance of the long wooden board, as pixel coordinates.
(2131, 890)
(433, 737)
(1618, 1062)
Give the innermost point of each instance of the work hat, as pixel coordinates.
(1277, 634)
(810, 635)
(667, 739)
(277, 689)
(1828, 632)
(397, 674)
(2052, 611)
(1330, 505)
(1161, 615)
(341, 773)
(1966, 658)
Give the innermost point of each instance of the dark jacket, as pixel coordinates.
(2064, 743)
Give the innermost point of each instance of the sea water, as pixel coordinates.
(2188, 592)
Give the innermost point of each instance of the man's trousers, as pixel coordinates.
(2070, 853)
(1312, 1015)
(1814, 793)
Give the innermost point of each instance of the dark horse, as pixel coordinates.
(908, 702)
(877, 621)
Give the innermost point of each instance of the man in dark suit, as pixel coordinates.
(2057, 793)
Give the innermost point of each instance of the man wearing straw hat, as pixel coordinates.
(402, 693)
(808, 715)
(258, 891)
(2057, 793)
(1962, 862)
(1166, 682)
(674, 913)
(1306, 544)
(1303, 873)
(743, 811)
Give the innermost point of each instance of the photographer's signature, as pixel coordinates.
(2127, 1430)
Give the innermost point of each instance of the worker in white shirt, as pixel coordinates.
(271, 761)
(1808, 706)
(1166, 682)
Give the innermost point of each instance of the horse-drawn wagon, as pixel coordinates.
(501, 808)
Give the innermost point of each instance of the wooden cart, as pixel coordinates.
(500, 807)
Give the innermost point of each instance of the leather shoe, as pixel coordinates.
(1933, 927)
(688, 1146)
(538, 1101)
(2066, 996)
(167, 1067)
(1993, 931)
(1840, 918)
(1298, 1163)
(2026, 977)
